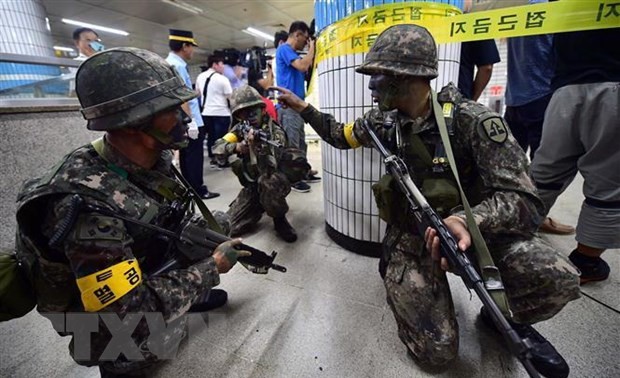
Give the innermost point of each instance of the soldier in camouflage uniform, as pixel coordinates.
(493, 170)
(91, 262)
(265, 186)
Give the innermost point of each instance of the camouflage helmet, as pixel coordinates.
(402, 50)
(245, 97)
(124, 87)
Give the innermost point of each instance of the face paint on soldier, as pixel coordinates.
(169, 129)
(385, 90)
(254, 115)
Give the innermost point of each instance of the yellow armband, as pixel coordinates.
(230, 138)
(106, 286)
(350, 136)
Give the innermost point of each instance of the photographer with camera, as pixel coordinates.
(291, 69)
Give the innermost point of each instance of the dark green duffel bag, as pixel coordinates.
(16, 295)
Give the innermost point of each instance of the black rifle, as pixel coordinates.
(427, 217)
(193, 241)
(263, 136)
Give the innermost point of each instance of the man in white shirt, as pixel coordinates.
(215, 89)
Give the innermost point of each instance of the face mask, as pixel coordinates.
(97, 46)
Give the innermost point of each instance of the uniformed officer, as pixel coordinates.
(91, 261)
(265, 182)
(493, 170)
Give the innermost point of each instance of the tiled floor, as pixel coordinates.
(327, 316)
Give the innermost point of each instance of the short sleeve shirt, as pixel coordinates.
(288, 76)
(475, 53)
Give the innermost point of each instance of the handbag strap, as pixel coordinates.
(204, 92)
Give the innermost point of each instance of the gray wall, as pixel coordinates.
(30, 144)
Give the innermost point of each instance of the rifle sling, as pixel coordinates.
(204, 210)
(167, 190)
(488, 270)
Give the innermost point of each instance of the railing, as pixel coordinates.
(35, 83)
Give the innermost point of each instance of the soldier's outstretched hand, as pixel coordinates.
(458, 227)
(225, 255)
(290, 99)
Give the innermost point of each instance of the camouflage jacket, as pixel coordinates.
(492, 167)
(266, 156)
(84, 272)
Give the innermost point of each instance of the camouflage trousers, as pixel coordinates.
(268, 195)
(538, 282)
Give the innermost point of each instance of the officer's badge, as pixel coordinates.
(495, 128)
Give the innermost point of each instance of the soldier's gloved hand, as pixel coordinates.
(458, 227)
(241, 148)
(193, 130)
(225, 255)
(290, 99)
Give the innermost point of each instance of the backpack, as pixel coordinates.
(17, 296)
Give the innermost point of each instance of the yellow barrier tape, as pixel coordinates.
(107, 286)
(357, 32)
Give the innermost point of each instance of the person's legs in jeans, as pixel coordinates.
(221, 124)
(293, 125)
(208, 126)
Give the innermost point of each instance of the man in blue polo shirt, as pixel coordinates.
(191, 158)
(290, 70)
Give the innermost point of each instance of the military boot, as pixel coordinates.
(284, 229)
(546, 360)
(215, 298)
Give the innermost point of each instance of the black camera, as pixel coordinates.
(312, 31)
(255, 58)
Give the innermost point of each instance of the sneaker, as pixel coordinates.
(312, 179)
(216, 299)
(592, 268)
(545, 358)
(284, 229)
(301, 187)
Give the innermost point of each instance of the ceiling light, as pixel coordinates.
(95, 27)
(183, 5)
(60, 48)
(258, 33)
